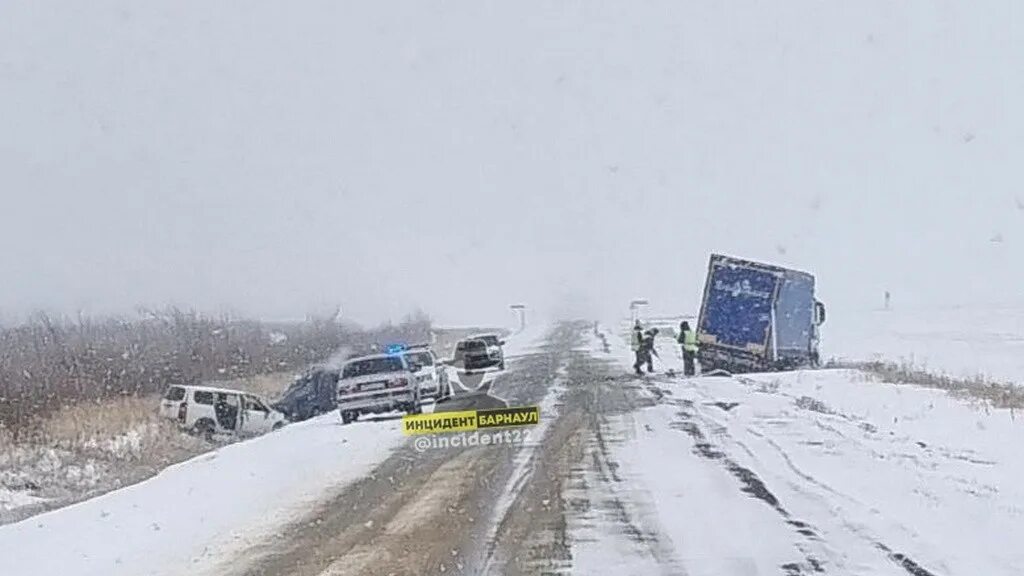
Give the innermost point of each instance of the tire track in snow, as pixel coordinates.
(754, 486)
(602, 517)
(416, 513)
(576, 489)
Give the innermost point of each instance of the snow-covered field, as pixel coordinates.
(962, 342)
(827, 468)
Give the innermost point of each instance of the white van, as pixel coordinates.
(206, 411)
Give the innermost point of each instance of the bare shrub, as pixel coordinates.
(995, 394)
(49, 364)
(86, 451)
(78, 406)
(813, 404)
(269, 386)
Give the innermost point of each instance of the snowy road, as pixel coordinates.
(800, 473)
(823, 472)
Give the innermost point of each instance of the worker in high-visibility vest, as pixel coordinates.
(688, 340)
(637, 336)
(636, 344)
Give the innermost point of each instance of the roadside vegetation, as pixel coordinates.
(998, 395)
(50, 364)
(78, 398)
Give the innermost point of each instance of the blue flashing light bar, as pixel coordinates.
(395, 348)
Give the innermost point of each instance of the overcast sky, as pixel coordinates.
(276, 158)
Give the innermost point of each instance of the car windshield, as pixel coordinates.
(370, 366)
(420, 358)
(473, 345)
(298, 388)
(175, 393)
(459, 288)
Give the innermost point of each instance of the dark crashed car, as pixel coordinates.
(312, 394)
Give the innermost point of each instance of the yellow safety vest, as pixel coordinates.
(690, 341)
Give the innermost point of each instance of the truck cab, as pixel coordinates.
(758, 317)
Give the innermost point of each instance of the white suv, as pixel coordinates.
(206, 411)
(480, 352)
(429, 371)
(376, 384)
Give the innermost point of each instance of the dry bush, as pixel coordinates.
(85, 451)
(813, 404)
(269, 386)
(77, 424)
(49, 365)
(78, 404)
(995, 394)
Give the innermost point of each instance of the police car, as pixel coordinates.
(379, 383)
(431, 375)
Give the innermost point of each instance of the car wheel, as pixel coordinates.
(204, 428)
(416, 408)
(277, 426)
(347, 417)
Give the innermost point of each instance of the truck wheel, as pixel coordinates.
(347, 417)
(277, 426)
(416, 408)
(501, 365)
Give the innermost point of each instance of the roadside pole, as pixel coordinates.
(520, 310)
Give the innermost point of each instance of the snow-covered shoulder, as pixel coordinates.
(194, 514)
(825, 469)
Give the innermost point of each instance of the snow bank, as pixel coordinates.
(908, 466)
(869, 475)
(528, 341)
(881, 474)
(198, 512)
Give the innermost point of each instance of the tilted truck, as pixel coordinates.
(757, 317)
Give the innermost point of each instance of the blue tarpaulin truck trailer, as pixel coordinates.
(757, 317)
